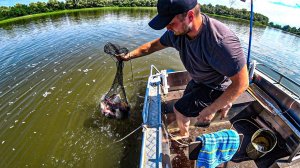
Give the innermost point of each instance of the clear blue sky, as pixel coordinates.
(13, 2)
(283, 12)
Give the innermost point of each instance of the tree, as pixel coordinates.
(19, 10)
(4, 12)
(271, 24)
(54, 5)
(293, 30)
(33, 7)
(286, 28)
(75, 3)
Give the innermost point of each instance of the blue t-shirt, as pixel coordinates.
(213, 56)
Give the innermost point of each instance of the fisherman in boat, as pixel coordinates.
(210, 52)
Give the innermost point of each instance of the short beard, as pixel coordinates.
(186, 30)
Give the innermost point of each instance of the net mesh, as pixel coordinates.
(113, 50)
(114, 103)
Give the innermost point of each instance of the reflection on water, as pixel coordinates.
(54, 71)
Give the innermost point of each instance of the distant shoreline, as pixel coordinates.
(69, 11)
(109, 8)
(117, 8)
(22, 11)
(235, 19)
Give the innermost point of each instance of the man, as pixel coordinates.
(210, 52)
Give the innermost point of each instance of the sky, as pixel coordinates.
(283, 12)
(13, 2)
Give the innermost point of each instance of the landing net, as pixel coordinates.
(114, 103)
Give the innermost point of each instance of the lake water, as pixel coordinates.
(54, 71)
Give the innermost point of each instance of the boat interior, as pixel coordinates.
(268, 105)
(263, 105)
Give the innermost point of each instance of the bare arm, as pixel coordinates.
(240, 83)
(144, 49)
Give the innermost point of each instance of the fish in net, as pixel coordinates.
(114, 103)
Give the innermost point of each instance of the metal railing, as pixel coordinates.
(281, 79)
(151, 151)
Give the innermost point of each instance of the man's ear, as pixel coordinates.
(191, 15)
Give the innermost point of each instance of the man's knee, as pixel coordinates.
(180, 115)
(177, 112)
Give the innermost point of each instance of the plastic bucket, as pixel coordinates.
(262, 142)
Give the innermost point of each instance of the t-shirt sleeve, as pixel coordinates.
(166, 39)
(228, 57)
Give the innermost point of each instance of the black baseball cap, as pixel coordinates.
(168, 9)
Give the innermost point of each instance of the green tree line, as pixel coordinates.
(236, 13)
(286, 28)
(55, 5)
(244, 14)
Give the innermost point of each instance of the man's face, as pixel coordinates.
(179, 25)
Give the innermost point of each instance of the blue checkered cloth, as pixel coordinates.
(218, 147)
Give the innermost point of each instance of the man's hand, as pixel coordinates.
(208, 113)
(240, 82)
(123, 57)
(142, 50)
(225, 110)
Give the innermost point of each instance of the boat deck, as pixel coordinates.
(179, 153)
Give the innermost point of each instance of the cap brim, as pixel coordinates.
(159, 22)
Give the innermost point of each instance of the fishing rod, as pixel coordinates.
(250, 35)
(250, 69)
